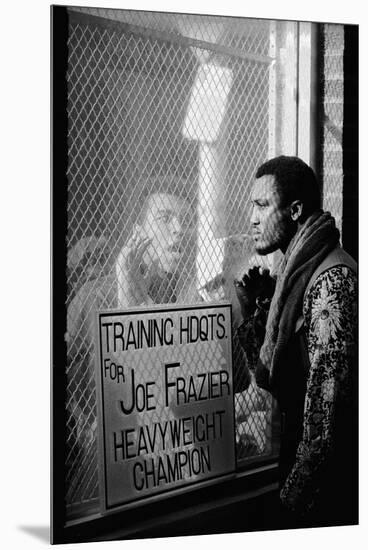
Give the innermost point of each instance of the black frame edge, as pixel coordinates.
(58, 45)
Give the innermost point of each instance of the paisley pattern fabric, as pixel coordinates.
(330, 317)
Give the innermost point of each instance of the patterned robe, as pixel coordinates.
(316, 391)
(330, 318)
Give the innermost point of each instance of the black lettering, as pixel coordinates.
(187, 440)
(195, 454)
(149, 472)
(161, 474)
(203, 332)
(131, 337)
(118, 335)
(146, 334)
(220, 413)
(192, 394)
(203, 378)
(213, 385)
(184, 329)
(205, 457)
(139, 466)
(112, 371)
(173, 472)
(180, 389)
(193, 339)
(199, 418)
(106, 367)
(128, 443)
(140, 399)
(122, 406)
(119, 446)
(168, 341)
(183, 460)
(167, 383)
(175, 429)
(107, 325)
(190, 455)
(158, 332)
(220, 334)
(163, 434)
(142, 444)
(149, 396)
(120, 373)
(224, 381)
(152, 442)
(211, 317)
(210, 426)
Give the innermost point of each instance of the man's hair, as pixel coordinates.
(166, 184)
(294, 180)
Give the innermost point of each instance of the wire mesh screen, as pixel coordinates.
(333, 109)
(168, 119)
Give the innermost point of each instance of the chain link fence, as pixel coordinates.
(332, 45)
(169, 117)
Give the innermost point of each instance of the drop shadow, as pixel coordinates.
(40, 532)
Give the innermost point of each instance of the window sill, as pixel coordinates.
(178, 514)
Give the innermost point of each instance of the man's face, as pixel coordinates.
(271, 224)
(166, 223)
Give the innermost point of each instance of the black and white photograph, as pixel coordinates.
(183, 274)
(205, 276)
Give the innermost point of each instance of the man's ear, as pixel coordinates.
(296, 210)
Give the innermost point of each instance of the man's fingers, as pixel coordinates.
(141, 247)
(134, 247)
(131, 243)
(135, 238)
(135, 256)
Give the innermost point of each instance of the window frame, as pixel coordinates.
(253, 474)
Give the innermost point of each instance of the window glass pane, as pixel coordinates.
(169, 117)
(333, 112)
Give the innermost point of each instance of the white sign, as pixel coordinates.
(166, 413)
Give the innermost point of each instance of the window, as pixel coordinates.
(179, 110)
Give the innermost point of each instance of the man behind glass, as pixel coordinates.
(148, 270)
